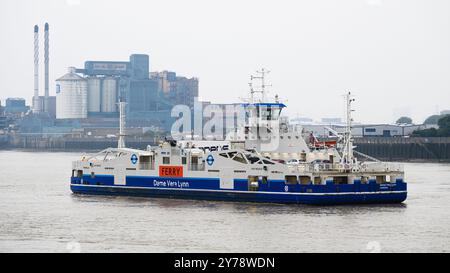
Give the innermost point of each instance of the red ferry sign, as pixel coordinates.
(170, 171)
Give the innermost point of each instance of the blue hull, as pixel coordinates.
(330, 198)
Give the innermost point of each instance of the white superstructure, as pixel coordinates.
(251, 169)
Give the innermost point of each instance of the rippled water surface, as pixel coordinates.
(39, 213)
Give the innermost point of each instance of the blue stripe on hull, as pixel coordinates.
(312, 199)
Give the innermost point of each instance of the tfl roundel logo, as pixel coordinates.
(210, 160)
(134, 159)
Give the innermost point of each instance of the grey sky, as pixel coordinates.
(394, 55)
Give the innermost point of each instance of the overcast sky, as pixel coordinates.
(394, 55)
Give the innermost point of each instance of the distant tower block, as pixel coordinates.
(46, 61)
(36, 101)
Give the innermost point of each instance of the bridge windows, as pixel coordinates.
(269, 113)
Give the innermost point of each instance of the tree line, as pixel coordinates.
(443, 131)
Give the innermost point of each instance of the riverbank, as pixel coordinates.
(413, 149)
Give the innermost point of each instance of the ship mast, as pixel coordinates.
(262, 88)
(347, 155)
(121, 142)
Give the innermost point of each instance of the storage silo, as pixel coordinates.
(71, 96)
(109, 95)
(94, 94)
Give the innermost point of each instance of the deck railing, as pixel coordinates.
(338, 167)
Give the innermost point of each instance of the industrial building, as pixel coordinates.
(3, 123)
(3, 119)
(178, 90)
(16, 106)
(94, 91)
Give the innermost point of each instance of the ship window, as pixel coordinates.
(183, 160)
(340, 180)
(252, 159)
(93, 175)
(264, 180)
(371, 130)
(239, 158)
(80, 174)
(266, 114)
(381, 179)
(276, 114)
(364, 180)
(146, 163)
(224, 155)
(166, 160)
(268, 162)
(305, 180)
(253, 183)
(291, 180)
(317, 180)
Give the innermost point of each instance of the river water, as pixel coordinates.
(38, 213)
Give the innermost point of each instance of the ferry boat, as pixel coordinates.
(244, 167)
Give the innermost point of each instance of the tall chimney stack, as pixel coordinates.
(46, 61)
(36, 103)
